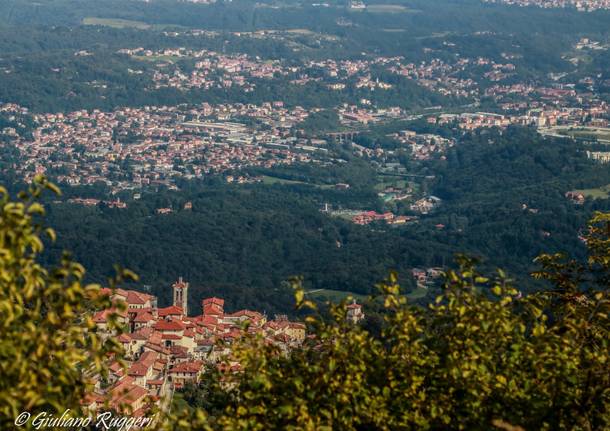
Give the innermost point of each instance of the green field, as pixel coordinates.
(126, 23)
(333, 295)
(385, 182)
(602, 192)
(338, 296)
(418, 293)
(116, 23)
(389, 8)
(269, 180)
(153, 58)
(602, 135)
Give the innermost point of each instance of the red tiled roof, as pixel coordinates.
(127, 393)
(134, 297)
(115, 367)
(124, 338)
(172, 325)
(157, 348)
(91, 398)
(137, 369)
(206, 342)
(142, 333)
(102, 316)
(172, 310)
(207, 320)
(179, 351)
(144, 317)
(187, 367)
(246, 313)
(214, 300)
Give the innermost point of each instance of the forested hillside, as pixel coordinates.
(503, 201)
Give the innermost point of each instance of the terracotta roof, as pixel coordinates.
(127, 393)
(124, 338)
(205, 342)
(144, 317)
(246, 313)
(179, 351)
(121, 292)
(115, 367)
(102, 316)
(187, 367)
(172, 310)
(142, 333)
(207, 320)
(214, 300)
(172, 325)
(157, 348)
(91, 398)
(272, 325)
(148, 358)
(134, 297)
(137, 370)
(143, 364)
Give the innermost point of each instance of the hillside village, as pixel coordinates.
(165, 348)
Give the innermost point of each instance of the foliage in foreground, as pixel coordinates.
(48, 348)
(482, 357)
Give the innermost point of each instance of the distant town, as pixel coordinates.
(129, 148)
(581, 5)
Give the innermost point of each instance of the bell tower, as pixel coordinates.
(181, 289)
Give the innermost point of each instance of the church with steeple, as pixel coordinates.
(181, 289)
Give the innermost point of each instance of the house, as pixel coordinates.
(354, 312)
(184, 372)
(213, 307)
(576, 197)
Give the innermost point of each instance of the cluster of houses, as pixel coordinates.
(424, 277)
(212, 69)
(165, 348)
(594, 115)
(368, 217)
(423, 145)
(425, 204)
(576, 197)
(154, 146)
(395, 194)
(359, 115)
(216, 70)
(581, 5)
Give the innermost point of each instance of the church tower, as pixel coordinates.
(181, 289)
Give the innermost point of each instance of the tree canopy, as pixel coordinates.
(48, 348)
(481, 357)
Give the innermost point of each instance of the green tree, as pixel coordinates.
(49, 349)
(481, 357)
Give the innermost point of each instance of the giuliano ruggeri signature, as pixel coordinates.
(102, 421)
